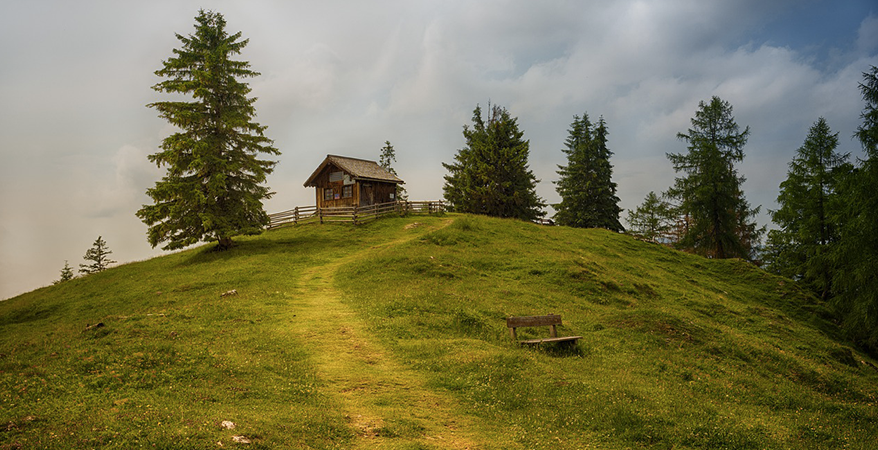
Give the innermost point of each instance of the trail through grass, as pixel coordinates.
(386, 403)
(392, 335)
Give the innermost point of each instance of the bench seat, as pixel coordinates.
(550, 340)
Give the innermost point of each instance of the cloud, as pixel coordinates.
(307, 82)
(342, 77)
(867, 35)
(124, 191)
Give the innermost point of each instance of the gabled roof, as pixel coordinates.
(359, 169)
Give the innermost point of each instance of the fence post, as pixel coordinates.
(320, 214)
(296, 216)
(356, 210)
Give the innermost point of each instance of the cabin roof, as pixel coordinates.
(359, 169)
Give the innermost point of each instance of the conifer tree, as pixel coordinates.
(856, 278)
(809, 212)
(490, 175)
(99, 255)
(386, 160)
(66, 273)
(213, 188)
(653, 220)
(588, 193)
(710, 196)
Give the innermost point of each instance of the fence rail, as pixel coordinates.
(351, 214)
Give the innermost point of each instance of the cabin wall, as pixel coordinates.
(373, 192)
(334, 190)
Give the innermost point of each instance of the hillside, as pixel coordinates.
(392, 335)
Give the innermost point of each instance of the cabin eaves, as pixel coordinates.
(358, 169)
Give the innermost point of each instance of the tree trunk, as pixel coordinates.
(224, 243)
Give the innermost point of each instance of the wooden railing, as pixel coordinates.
(352, 214)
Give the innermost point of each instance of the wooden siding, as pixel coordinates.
(374, 192)
(332, 182)
(325, 181)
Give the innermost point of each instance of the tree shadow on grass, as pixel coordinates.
(303, 245)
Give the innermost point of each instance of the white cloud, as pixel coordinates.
(122, 192)
(867, 35)
(342, 77)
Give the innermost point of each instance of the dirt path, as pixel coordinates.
(387, 405)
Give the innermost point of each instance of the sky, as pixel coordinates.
(342, 77)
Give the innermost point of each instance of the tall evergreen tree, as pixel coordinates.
(856, 277)
(386, 160)
(809, 212)
(709, 195)
(213, 189)
(99, 255)
(653, 220)
(588, 193)
(490, 175)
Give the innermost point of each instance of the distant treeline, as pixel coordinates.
(827, 223)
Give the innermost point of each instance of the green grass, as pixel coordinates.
(392, 334)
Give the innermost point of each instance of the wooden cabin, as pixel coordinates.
(342, 181)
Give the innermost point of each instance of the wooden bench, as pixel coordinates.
(550, 320)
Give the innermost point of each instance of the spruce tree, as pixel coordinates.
(588, 193)
(856, 277)
(213, 188)
(490, 175)
(386, 160)
(99, 255)
(66, 273)
(809, 212)
(653, 220)
(710, 196)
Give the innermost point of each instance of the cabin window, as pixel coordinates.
(335, 177)
(347, 191)
(392, 196)
(327, 194)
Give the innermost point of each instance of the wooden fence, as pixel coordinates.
(352, 214)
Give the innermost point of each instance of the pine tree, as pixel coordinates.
(653, 220)
(386, 160)
(588, 194)
(213, 187)
(856, 279)
(809, 212)
(99, 255)
(710, 195)
(490, 175)
(66, 273)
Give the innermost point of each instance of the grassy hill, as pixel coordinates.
(392, 335)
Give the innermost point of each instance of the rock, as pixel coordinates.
(229, 293)
(240, 439)
(227, 424)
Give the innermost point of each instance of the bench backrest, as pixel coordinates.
(549, 320)
(533, 321)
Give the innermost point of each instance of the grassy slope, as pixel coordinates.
(393, 334)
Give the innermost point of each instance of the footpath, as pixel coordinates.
(386, 404)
